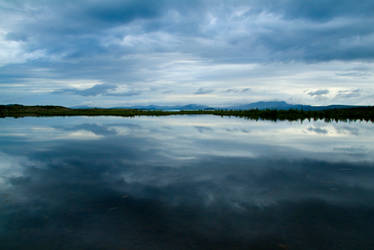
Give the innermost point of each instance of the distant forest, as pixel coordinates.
(344, 114)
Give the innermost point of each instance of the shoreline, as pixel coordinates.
(345, 114)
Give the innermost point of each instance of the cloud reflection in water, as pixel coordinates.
(184, 183)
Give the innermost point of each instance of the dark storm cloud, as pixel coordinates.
(123, 11)
(319, 10)
(74, 30)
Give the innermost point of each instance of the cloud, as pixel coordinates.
(318, 130)
(319, 92)
(319, 10)
(98, 89)
(349, 93)
(203, 91)
(325, 31)
(237, 90)
(182, 46)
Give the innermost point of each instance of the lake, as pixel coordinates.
(185, 182)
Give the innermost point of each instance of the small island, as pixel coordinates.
(338, 114)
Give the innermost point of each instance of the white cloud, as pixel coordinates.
(14, 52)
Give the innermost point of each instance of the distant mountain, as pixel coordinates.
(82, 107)
(266, 105)
(278, 105)
(169, 108)
(282, 105)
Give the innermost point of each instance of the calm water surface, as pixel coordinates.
(185, 182)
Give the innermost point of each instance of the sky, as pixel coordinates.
(214, 52)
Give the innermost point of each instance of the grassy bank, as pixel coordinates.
(362, 113)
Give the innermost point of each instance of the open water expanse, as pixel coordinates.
(185, 182)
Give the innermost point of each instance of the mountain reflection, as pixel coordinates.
(185, 183)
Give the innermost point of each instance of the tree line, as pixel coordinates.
(346, 114)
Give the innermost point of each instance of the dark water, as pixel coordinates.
(185, 182)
